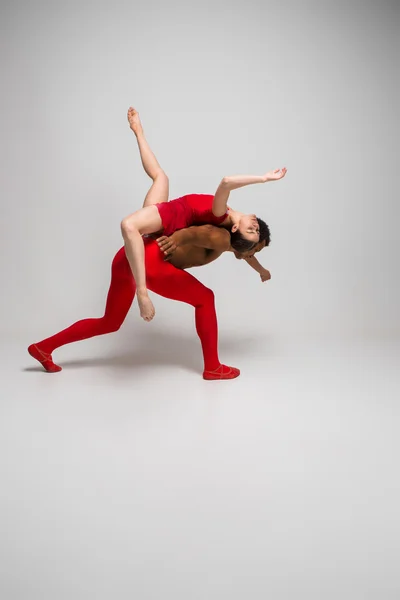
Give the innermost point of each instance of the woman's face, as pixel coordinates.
(249, 228)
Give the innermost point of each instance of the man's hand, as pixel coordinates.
(265, 275)
(202, 236)
(168, 245)
(275, 175)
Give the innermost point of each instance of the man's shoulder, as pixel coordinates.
(219, 235)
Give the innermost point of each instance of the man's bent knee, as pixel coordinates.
(208, 296)
(110, 326)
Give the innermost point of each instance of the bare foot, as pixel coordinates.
(146, 307)
(134, 121)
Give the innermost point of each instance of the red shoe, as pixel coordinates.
(45, 359)
(222, 372)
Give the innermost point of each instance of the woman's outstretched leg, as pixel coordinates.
(159, 191)
(168, 281)
(119, 299)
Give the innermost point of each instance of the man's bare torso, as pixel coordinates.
(189, 256)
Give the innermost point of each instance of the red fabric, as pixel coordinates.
(193, 209)
(163, 279)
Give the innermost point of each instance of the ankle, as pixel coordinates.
(142, 293)
(214, 368)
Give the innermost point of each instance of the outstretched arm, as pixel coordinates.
(237, 181)
(264, 273)
(204, 236)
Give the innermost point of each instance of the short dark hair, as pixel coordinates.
(240, 244)
(265, 233)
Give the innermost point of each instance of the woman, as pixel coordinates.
(194, 209)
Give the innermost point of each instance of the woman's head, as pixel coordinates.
(248, 232)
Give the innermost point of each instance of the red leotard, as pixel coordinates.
(193, 209)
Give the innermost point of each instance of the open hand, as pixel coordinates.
(275, 175)
(265, 275)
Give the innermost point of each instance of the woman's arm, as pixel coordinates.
(237, 181)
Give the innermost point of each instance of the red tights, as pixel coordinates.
(163, 279)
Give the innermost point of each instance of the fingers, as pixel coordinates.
(170, 249)
(279, 173)
(166, 245)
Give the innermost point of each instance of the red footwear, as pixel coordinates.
(45, 359)
(222, 372)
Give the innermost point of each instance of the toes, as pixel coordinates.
(148, 317)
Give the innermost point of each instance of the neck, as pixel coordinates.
(234, 216)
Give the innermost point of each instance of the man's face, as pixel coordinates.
(250, 253)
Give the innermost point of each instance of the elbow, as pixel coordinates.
(225, 181)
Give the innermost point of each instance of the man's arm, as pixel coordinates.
(204, 236)
(264, 273)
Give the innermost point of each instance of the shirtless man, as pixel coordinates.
(192, 247)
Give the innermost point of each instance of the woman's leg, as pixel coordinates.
(147, 219)
(168, 281)
(159, 191)
(119, 300)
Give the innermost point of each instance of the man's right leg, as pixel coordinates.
(119, 299)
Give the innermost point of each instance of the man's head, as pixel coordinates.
(248, 234)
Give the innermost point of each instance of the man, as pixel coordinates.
(192, 247)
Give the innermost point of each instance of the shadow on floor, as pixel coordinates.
(154, 348)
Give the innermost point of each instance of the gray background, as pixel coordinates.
(127, 475)
(221, 89)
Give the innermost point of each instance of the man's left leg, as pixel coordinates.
(168, 281)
